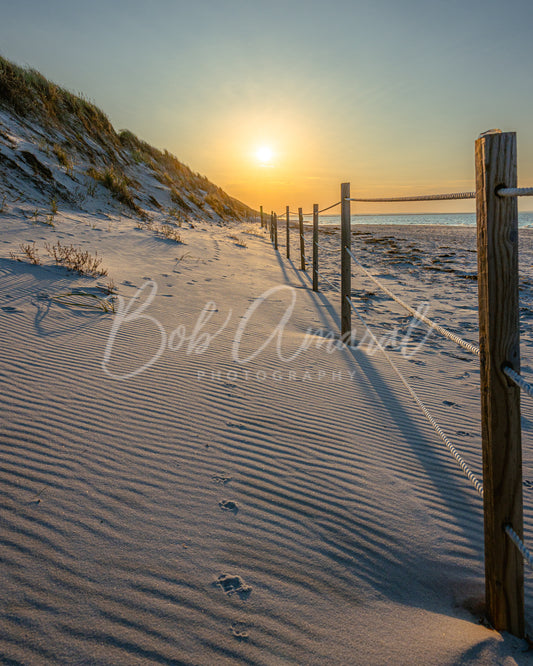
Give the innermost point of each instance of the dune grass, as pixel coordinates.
(75, 259)
(117, 183)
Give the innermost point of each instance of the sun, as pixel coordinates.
(264, 155)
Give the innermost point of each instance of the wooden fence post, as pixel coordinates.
(288, 241)
(499, 342)
(275, 231)
(261, 212)
(302, 243)
(346, 268)
(315, 247)
(271, 226)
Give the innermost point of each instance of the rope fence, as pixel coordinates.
(462, 464)
(498, 351)
(421, 197)
(528, 558)
(515, 192)
(519, 380)
(418, 315)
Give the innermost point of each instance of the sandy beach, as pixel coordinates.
(199, 478)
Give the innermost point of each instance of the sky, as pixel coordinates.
(388, 95)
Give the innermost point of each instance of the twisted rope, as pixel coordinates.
(515, 192)
(519, 380)
(462, 464)
(520, 545)
(429, 322)
(424, 197)
(291, 212)
(333, 286)
(329, 207)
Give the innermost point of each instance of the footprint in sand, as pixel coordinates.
(449, 403)
(228, 505)
(231, 424)
(240, 631)
(221, 478)
(232, 584)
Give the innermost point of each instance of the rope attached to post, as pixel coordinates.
(528, 558)
(519, 380)
(329, 207)
(423, 197)
(515, 192)
(429, 322)
(462, 464)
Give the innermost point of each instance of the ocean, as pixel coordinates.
(525, 219)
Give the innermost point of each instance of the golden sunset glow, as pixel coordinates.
(264, 155)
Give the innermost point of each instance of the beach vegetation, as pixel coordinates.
(28, 252)
(75, 259)
(75, 126)
(171, 233)
(62, 156)
(117, 183)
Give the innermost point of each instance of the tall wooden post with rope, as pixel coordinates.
(288, 240)
(499, 342)
(302, 240)
(346, 268)
(315, 247)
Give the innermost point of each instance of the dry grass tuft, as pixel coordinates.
(239, 242)
(29, 253)
(117, 183)
(85, 301)
(169, 232)
(76, 259)
(62, 156)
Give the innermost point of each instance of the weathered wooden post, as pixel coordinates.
(499, 342)
(302, 241)
(288, 240)
(261, 212)
(275, 231)
(271, 226)
(315, 247)
(346, 268)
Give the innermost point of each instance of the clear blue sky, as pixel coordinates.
(389, 95)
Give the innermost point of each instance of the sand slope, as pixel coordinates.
(196, 514)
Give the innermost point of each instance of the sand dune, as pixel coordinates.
(207, 511)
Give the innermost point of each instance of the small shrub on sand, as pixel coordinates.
(76, 259)
(169, 232)
(29, 253)
(239, 242)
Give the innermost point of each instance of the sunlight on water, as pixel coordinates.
(452, 219)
